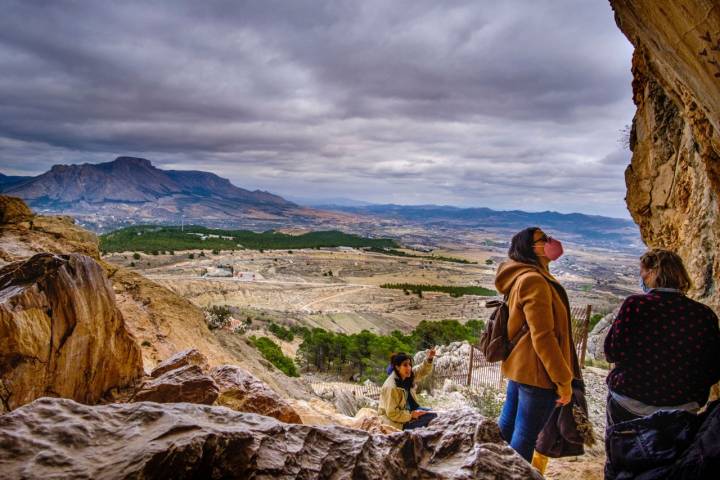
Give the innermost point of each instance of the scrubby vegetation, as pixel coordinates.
(367, 354)
(150, 239)
(488, 400)
(453, 291)
(400, 253)
(217, 316)
(273, 354)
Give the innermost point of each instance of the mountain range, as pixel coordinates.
(131, 190)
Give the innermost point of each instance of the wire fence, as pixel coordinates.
(477, 372)
(472, 369)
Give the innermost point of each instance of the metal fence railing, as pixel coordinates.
(473, 371)
(476, 371)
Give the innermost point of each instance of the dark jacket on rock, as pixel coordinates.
(674, 445)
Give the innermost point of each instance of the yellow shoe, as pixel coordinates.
(540, 462)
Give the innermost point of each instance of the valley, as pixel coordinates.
(339, 289)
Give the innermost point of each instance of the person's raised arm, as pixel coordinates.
(424, 369)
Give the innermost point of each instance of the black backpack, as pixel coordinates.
(494, 341)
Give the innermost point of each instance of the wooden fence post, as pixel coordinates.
(586, 327)
(470, 368)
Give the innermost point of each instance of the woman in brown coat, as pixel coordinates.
(539, 368)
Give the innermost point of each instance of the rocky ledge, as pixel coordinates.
(55, 438)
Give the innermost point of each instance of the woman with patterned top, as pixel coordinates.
(664, 345)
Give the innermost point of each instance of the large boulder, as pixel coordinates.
(61, 333)
(58, 439)
(596, 338)
(13, 210)
(242, 391)
(181, 359)
(185, 384)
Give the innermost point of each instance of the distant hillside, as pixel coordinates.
(150, 238)
(589, 229)
(132, 190)
(7, 181)
(130, 180)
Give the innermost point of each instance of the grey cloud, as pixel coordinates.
(467, 102)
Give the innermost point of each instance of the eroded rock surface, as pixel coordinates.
(181, 359)
(62, 334)
(673, 181)
(185, 384)
(56, 438)
(13, 210)
(242, 391)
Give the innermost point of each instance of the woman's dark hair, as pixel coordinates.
(521, 246)
(670, 270)
(397, 359)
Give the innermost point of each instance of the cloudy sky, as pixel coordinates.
(470, 103)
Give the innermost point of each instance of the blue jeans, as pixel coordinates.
(524, 414)
(422, 421)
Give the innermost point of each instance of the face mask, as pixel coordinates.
(553, 249)
(644, 287)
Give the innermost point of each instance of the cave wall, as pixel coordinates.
(673, 180)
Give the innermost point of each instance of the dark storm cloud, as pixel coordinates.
(517, 105)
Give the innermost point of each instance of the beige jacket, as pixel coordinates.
(392, 408)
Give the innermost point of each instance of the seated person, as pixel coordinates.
(398, 402)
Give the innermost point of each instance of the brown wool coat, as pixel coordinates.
(541, 358)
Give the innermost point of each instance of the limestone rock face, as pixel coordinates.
(673, 181)
(185, 384)
(181, 359)
(56, 438)
(13, 210)
(242, 391)
(596, 338)
(61, 333)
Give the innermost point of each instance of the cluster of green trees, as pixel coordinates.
(367, 354)
(400, 253)
(272, 353)
(151, 239)
(281, 332)
(453, 291)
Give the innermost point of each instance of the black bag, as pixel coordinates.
(568, 429)
(494, 341)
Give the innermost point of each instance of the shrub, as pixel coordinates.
(273, 354)
(594, 320)
(136, 256)
(191, 256)
(132, 264)
(281, 332)
(202, 254)
(216, 251)
(488, 401)
(217, 316)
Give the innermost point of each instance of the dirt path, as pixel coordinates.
(306, 307)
